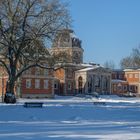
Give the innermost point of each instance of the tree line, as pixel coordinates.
(130, 61)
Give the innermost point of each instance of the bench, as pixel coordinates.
(99, 103)
(33, 104)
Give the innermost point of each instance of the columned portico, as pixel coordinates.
(95, 79)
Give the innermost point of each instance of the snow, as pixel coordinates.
(72, 118)
(89, 68)
(118, 81)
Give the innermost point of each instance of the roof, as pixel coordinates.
(118, 81)
(89, 68)
(133, 69)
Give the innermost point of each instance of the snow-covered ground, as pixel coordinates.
(72, 118)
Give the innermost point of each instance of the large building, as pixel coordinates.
(93, 79)
(70, 75)
(70, 69)
(34, 83)
(126, 81)
(68, 54)
(133, 78)
(37, 83)
(65, 78)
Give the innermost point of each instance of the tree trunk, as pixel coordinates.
(9, 96)
(10, 86)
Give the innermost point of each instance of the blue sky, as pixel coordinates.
(109, 29)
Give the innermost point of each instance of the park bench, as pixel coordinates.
(99, 103)
(33, 104)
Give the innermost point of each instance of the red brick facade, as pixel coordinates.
(65, 80)
(38, 83)
(125, 81)
(34, 83)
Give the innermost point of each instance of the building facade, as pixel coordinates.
(69, 76)
(119, 83)
(68, 50)
(33, 83)
(93, 79)
(126, 81)
(133, 78)
(65, 79)
(37, 83)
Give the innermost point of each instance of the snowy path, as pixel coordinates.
(72, 118)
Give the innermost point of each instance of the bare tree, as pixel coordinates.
(131, 61)
(136, 56)
(62, 57)
(126, 62)
(25, 26)
(109, 64)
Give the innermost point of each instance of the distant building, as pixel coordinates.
(119, 83)
(65, 78)
(126, 81)
(119, 86)
(133, 78)
(93, 79)
(37, 83)
(72, 76)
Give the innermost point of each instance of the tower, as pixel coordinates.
(67, 47)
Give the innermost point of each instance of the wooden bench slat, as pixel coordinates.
(33, 104)
(99, 103)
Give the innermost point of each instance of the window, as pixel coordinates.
(115, 76)
(115, 87)
(28, 83)
(37, 83)
(55, 85)
(37, 71)
(130, 88)
(45, 72)
(69, 85)
(45, 84)
(120, 76)
(136, 75)
(41, 71)
(119, 88)
(125, 87)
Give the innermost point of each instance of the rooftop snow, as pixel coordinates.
(89, 68)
